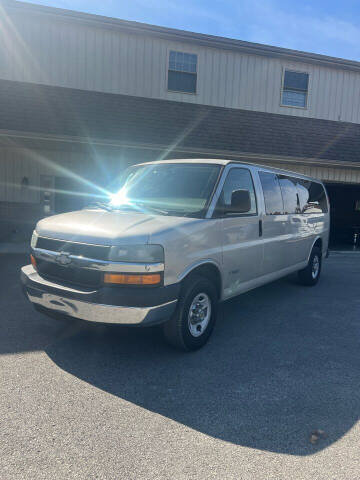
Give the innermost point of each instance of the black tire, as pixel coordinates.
(307, 276)
(177, 330)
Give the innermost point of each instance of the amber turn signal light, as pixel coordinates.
(33, 261)
(129, 279)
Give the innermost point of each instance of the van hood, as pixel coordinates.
(107, 228)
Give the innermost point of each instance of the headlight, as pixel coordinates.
(137, 253)
(34, 239)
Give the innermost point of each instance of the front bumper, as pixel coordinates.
(86, 304)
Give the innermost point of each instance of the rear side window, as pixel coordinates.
(312, 197)
(237, 179)
(272, 193)
(289, 194)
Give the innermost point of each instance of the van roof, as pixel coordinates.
(216, 161)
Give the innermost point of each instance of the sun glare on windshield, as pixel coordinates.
(119, 198)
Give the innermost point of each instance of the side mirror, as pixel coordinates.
(240, 202)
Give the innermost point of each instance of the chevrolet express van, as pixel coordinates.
(175, 239)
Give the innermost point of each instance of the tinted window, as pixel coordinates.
(312, 197)
(237, 179)
(272, 193)
(289, 194)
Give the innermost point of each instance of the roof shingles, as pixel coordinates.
(43, 109)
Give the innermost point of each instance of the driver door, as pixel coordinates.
(241, 237)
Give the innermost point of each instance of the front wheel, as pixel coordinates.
(310, 275)
(195, 315)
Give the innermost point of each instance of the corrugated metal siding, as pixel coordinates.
(92, 170)
(80, 56)
(17, 163)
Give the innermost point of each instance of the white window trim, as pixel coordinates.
(167, 71)
(289, 69)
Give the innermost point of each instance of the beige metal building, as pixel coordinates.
(83, 96)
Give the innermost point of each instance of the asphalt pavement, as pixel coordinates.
(81, 401)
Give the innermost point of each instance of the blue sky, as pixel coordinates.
(323, 26)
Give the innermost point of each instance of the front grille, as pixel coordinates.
(72, 275)
(97, 252)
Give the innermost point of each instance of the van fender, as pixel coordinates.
(318, 237)
(199, 263)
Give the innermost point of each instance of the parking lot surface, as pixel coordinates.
(95, 402)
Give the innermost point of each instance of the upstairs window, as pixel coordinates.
(295, 89)
(182, 73)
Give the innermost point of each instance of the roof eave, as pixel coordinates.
(10, 139)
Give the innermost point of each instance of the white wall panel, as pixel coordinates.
(93, 58)
(17, 163)
(14, 166)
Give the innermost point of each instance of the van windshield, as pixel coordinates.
(181, 189)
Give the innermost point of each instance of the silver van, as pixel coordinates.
(176, 238)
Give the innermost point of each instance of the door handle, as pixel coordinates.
(260, 228)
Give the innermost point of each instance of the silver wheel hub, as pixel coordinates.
(199, 314)
(315, 267)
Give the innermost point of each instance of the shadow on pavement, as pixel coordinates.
(22, 328)
(283, 361)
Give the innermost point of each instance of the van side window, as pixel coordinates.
(237, 179)
(289, 194)
(272, 193)
(312, 197)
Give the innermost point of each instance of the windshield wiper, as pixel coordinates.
(103, 205)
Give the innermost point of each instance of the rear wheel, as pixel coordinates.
(193, 321)
(310, 275)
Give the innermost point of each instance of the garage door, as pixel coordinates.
(345, 215)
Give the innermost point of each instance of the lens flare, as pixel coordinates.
(119, 198)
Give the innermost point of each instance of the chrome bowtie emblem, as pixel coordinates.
(63, 259)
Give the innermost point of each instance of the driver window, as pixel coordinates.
(237, 179)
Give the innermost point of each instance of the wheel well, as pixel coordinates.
(210, 271)
(318, 243)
